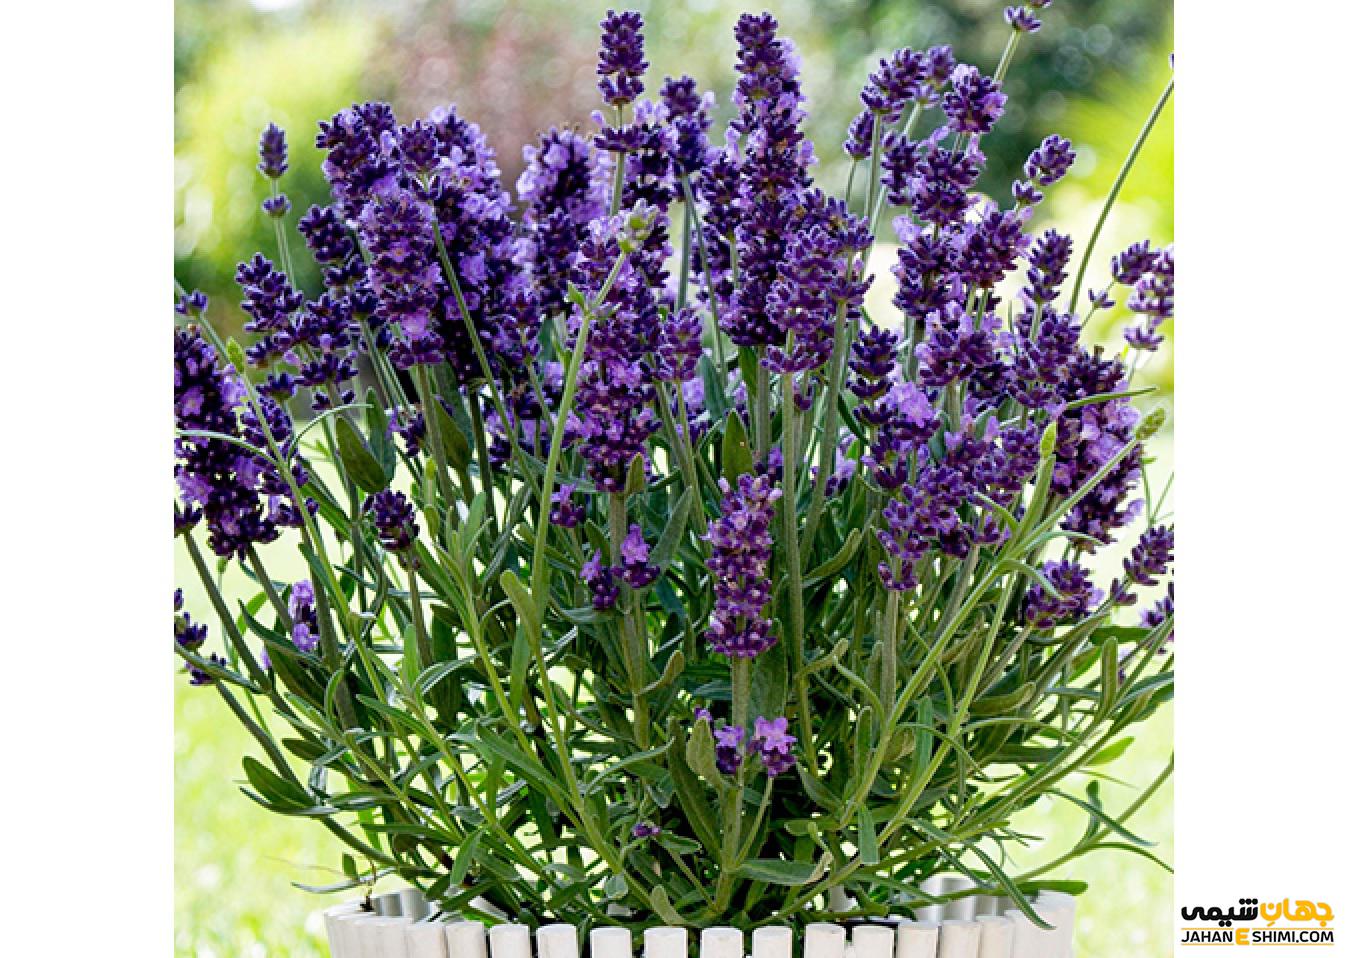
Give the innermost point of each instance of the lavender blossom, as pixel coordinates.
(859, 138)
(727, 747)
(239, 494)
(394, 518)
(975, 103)
(563, 187)
(273, 152)
(599, 578)
(896, 83)
(1022, 19)
(690, 113)
(773, 743)
(621, 64)
(566, 512)
(302, 610)
(635, 554)
(188, 633)
(742, 547)
(1075, 597)
(1151, 556)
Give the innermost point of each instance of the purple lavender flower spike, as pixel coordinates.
(216, 478)
(599, 578)
(1076, 596)
(681, 345)
(1050, 160)
(566, 512)
(277, 206)
(634, 553)
(193, 305)
(859, 138)
(1153, 298)
(1151, 556)
(1022, 19)
(645, 830)
(273, 152)
(188, 634)
(975, 103)
(394, 518)
(727, 747)
(198, 676)
(773, 743)
(895, 84)
(302, 610)
(899, 168)
(873, 356)
(690, 113)
(562, 188)
(1159, 612)
(939, 195)
(742, 547)
(622, 62)
(356, 164)
(939, 67)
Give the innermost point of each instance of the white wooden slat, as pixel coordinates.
(426, 939)
(557, 940)
(1065, 908)
(1031, 941)
(510, 941)
(873, 941)
(353, 932)
(772, 941)
(347, 933)
(958, 939)
(932, 886)
(722, 941)
(822, 939)
(665, 941)
(917, 939)
(332, 918)
(382, 936)
(997, 936)
(611, 943)
(465, 939)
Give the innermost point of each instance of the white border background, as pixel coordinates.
(1268, 354)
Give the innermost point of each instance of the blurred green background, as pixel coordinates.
(1092, 73)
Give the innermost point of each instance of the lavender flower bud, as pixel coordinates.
(773, 743)
(1151, 556)
(621, 64)
(188, 634)
(394, 518)
(727, 742)
(273, 152)
(1022, 19)
(742, 547)
(975, 103)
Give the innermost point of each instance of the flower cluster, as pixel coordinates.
(742, 545)
(240, 494)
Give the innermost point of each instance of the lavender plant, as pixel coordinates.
(650, 578)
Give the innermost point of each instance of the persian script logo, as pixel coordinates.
(1306, 923)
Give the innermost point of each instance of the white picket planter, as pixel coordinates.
(401, 925)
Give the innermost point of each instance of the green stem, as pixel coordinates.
(793, 559)
(1114, 190)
